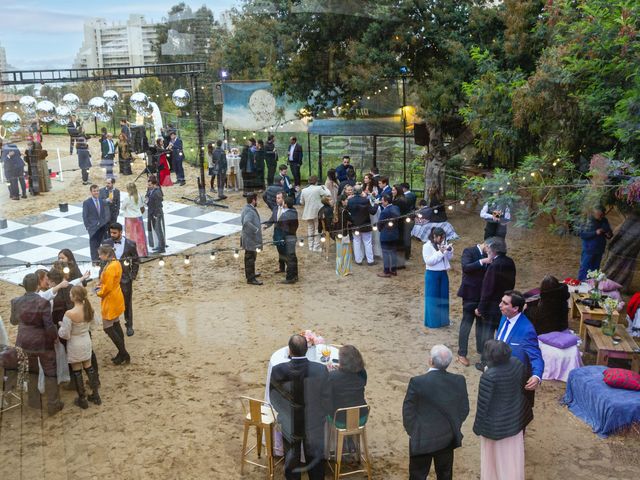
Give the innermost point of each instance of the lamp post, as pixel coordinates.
(403, 72)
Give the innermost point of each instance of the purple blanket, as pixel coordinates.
(605, 409)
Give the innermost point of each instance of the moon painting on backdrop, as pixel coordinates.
(262, 104)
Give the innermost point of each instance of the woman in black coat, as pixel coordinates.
(552, 311)
(347, 384)
(502, 414)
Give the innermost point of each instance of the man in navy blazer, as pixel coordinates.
(474, 265)
(517, 330)
(95, 215)
(389, 235)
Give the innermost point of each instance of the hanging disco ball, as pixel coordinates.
(146, 112)
(97, 106)
(71, 100)
(106, 116)
(111, 97)
(46, 111)
(28, 104)
(11, 121)
(63, 115)
(139, 101)
(181, 98)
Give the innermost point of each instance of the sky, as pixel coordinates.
(48, 33)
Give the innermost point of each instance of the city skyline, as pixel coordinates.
(49, 35)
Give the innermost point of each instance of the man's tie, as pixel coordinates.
(97, 202)
(505, 329)
(117, 242)
(279, 213)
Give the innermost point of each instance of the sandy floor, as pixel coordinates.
(204, 337)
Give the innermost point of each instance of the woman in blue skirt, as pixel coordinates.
(437, 254)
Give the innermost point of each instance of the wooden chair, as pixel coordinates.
(352, 428)
(258, 414)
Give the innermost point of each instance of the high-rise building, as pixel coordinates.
(117, 45)
(3, 59)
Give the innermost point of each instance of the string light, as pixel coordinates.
(161, 263)
(322, 239)
(187, 260)
(258, 249)
(419, 215)
(357, 232)
(435, 211)
(65, 270)
(212, 256)
(408, 220)
(390, 224)
(450, 207)
(236, 254)
(340, 236)
(374, 228)
(461, 202)
(301, 242)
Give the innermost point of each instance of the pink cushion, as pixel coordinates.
(607, 286)
(622, 378)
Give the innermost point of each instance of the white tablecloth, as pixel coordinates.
(282, 356)
(234, 161)
(559, 362)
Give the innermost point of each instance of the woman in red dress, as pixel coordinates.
(163, 166)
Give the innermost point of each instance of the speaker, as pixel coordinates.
(138, 138)
(421, 134)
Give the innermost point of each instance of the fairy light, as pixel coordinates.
(408, 220)
(419, 215)
(161, 263)
(258, 249)
(212, 255)
(187, 260)
(340, 236)
(450, 207)
(435, 211)
(301, 242)
(236, 254)
(461, 202)
(374, 228)
(533, 174)
(357, 232)
(126, 263)
(66, 270)
(322, 239)
(390, 224)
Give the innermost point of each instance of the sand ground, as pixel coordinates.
(204, 337)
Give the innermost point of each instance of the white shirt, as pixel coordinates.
(435, 260)
(508, 326)
(118, 248)
(129, 208)
(49, 295)
(291, 149)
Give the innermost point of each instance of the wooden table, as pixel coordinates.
(606, 348)
(578, 310)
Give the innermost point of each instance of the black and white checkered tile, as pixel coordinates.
(38, 239)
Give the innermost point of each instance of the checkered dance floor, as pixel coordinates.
(39, 238)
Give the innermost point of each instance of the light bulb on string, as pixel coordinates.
(374, 228)
(236, 254)
(187, 260)
(435, 211)
(340, 236)
(126, 263)
(212, 256)
(161, 263)
(419, 215)
(357, 232)
(461, 202)
(390, 224)
(322, 239)
(301, 242)
(450, 207)
(258, 249)
(66, 270)
(408, 220)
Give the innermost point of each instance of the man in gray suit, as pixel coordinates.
(95, 215)
(251, 238)
(434, 409)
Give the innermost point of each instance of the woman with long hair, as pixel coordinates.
(347, 384)
(551, 313)
(66, 256)
(112, 301)
(124, 155)
(332, 185)
(213, 167)
(342, 233)
(164, 172)
(74, 328)
(132, 208)
(437, 254)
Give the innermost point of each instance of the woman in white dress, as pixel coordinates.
(75, 330)
(132, 208)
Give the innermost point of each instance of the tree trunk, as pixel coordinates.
(623, 251)
(434, 163)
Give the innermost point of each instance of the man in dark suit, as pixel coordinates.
(127, 252)
(389, 235)
(301, 394)
(177, 156)
(435, 407)
(474, 265)
(518, 331)
(500, 277)
(409, 195)
(95, 215)
(74, 128)
(36, 336)
(285, 221)
(108, 148)
(155, 215)
(111, 196)
(341, 170)
(295, 159)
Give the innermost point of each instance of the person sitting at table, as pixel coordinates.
(347, 385)
(552, 311)
(301, 394)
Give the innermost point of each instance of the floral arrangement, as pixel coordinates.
(597, 276)
(312, 338)
(610, 305)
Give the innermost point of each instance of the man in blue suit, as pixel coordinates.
(389, 235)
(177, 157)
(516, 330)
(95, 215)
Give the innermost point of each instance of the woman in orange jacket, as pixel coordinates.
(112, 304)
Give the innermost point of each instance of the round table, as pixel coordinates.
(234, 161)
(281, 356)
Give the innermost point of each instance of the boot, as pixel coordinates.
(34, 399)
(81, 401)
(94, 383)
(124, 355)
(117, 337)
(54, 405)
(94, 365)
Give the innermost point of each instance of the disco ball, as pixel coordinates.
(28, 104)
(111, 97)
(97, 106)
(181, 98)
(139, 101)
(63, 115)
(106, 116)
(46, 111)
(11, 121)
(71, 100)
(146, 112)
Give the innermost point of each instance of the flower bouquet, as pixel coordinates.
(312, 338)
(597, 276)
(609, 324)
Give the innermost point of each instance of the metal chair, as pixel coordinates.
(351, 428)
(9, 367)
(258, 414)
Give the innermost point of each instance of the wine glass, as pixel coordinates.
(325, 350)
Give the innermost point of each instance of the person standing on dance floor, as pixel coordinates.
(95, 215)
(112, 302)
(127, 252)
(74, 328)
(251, 239)
(155, 215)
(437, 254)
(108, 147)
(502, 414)
(111, 195)
(132, 209)
(84, 158)
(177, 157)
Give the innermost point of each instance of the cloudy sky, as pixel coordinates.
(48, 33)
